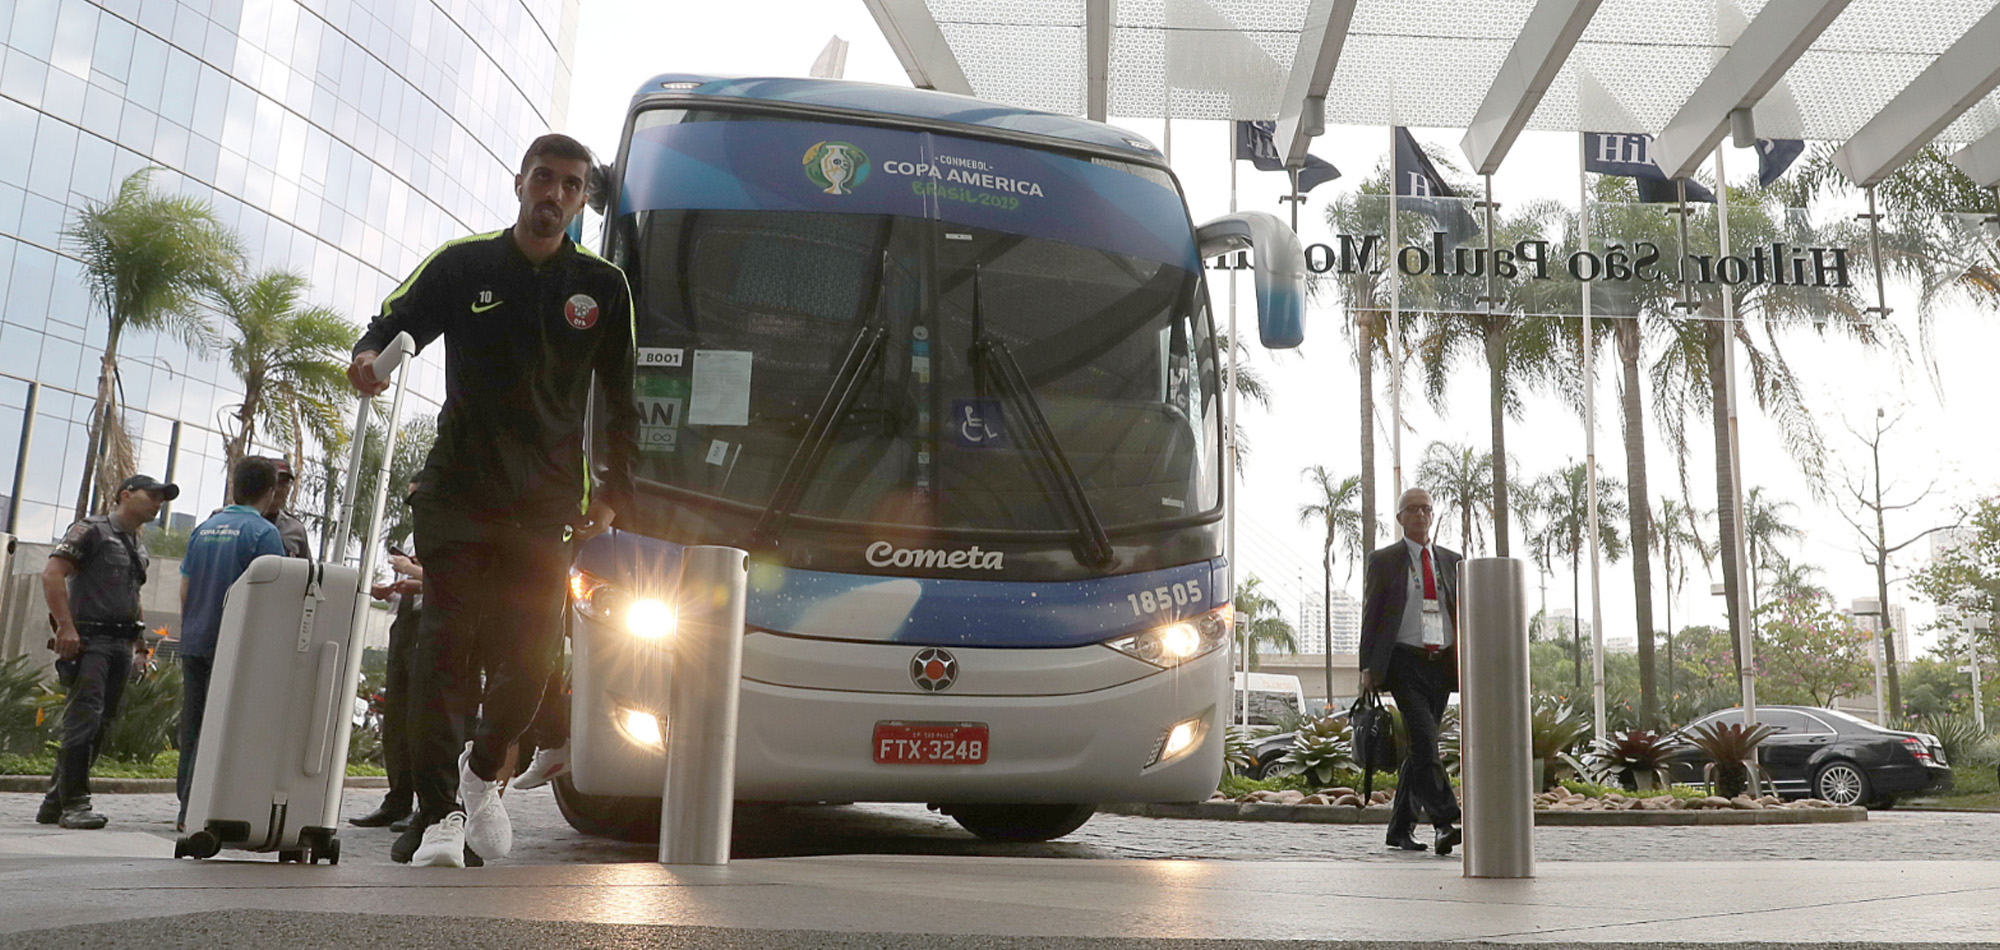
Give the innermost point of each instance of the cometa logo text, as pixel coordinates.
(884, 554)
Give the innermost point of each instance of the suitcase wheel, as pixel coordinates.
(201, 844)
(295, 856)
(328, 849)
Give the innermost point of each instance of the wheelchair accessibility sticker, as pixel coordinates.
(978, 424)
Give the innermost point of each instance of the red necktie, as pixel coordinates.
(1430, 593)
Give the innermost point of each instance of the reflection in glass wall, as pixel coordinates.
(342, 139)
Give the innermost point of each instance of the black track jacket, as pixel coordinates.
(521, 343)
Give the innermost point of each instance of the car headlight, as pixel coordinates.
(1172, 644)
(641, 728)
(648, 618)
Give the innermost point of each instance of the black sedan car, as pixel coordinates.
(1823, 753)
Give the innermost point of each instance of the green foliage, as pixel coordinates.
(1960, 735)
(1554, 730)
(24, 725)
(1236, 758)
(1806, 653)
(291, 358)
(167, 542)
(147, 717)
(1320, 748)
(159, 767)
(1730, 745)
(1262, 624)
(1623, 757)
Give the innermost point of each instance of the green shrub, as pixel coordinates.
(1236, 757)
(148, 716)
(25, 726)
(1958, 733)
(1319, 748)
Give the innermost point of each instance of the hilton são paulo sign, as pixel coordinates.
(1779, 264)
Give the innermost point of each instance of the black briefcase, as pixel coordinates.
(1374, 738)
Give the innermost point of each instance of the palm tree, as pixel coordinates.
(1262, 623)
(1518, 350)
(1365, 295)
(146, 257)
(1456, 476)
(292, 359)
(1336, 514)
(1691, 367)
(1764, 525)
(1676, 531)
(1251, 386)
(1564, 495)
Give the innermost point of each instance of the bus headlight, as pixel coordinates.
(1172, 644)
(641, 728)
(647, 618)
(1177, 740)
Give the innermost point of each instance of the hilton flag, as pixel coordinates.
(1774, 156)
(1630, 155)
(1418, 181)
(1254, 143)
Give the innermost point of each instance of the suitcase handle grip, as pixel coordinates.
(320, 732)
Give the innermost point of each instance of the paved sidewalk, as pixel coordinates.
(822, 881)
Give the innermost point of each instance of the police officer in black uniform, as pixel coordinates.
(92, 587)
(529, 319)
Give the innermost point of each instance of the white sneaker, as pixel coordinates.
(547, 764)
(488, 830)
(444, 844)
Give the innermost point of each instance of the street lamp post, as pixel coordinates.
(1978, 626)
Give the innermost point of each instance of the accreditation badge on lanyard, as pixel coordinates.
(1433, 624)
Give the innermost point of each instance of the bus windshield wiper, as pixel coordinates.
(994, 358)
(862, 357)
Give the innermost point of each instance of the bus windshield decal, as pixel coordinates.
(760, 165)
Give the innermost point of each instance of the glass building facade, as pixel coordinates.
(341, 139)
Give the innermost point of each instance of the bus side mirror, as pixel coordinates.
(597, 188)
(1279, 270)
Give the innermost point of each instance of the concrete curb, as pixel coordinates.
(1379, 815)
(142, 786)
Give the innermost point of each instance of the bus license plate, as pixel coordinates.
(930, 743)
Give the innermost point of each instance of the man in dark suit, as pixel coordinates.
(1409, 646)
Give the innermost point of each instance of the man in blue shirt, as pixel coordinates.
(219, 551)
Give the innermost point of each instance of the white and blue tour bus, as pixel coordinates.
(947, 370)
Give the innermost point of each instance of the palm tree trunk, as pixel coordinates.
(99, 418)
(1465, 525)
(1576, 608)
(1725, 491)
(1364, 334)
(246, 418)
(1326, 615)
(1497, 408)
(1642, 531)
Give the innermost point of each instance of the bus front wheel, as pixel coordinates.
(1020, 822)
(604, 816)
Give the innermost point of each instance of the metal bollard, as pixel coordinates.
(700, 729)
(1497, 741)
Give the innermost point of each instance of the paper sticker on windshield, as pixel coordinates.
(721, 395)
(662, 404)
(978, 424)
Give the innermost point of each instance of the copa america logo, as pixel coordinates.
(836, 167)
(934, 670)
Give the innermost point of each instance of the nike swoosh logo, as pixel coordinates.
(479, 308)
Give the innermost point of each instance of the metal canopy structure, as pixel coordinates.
(1890, 75)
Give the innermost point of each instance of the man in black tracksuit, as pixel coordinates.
(528, 317)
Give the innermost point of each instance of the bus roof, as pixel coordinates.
(920, 104)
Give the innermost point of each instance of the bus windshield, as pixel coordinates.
(844, 308)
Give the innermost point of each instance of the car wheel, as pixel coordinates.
(1842, 783)
(604, 816)
(1020, 822)
(1262, 770)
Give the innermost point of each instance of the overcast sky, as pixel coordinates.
(1946, 434)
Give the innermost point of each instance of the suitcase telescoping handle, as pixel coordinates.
(386, 364)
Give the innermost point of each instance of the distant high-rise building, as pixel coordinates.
(1312, 631)
(340, 139)
(1866, 615)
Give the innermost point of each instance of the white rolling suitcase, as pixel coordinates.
(273, 755)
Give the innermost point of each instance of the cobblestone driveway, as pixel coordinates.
(541, 836)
